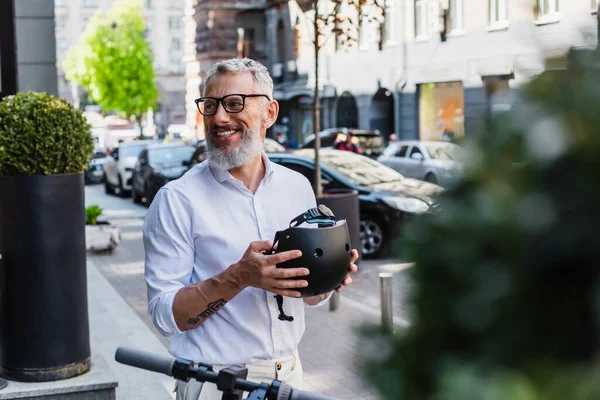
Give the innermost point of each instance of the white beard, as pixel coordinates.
(228, 158)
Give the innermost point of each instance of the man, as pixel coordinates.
(210, 287)
(347, 144)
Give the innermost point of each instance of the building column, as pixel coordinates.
(36, 46)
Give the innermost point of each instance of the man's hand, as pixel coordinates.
(259, 270)
(352, 269)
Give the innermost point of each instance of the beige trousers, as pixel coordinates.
(287, 369)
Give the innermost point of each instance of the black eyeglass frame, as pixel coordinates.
(221, 101)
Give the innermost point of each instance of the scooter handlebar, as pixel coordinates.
(144, 360)
(164, 365)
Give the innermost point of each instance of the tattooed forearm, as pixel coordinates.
(212, 308)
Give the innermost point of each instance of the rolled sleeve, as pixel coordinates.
(169, 261)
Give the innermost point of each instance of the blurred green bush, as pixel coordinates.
(506, 296)
(41, 134)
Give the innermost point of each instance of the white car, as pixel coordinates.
(436, 162)
(119, 165)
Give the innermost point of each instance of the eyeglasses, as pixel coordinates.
(232, 103)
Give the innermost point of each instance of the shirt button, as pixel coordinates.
(278, 366)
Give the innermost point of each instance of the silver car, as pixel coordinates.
(435, 162)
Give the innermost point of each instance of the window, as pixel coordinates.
(175, 65)
(60, 22)
(389, 22)
(420, 18)
(248, 43)
(175, 44)
(498, 11)
(62, 44)
(309, 173)
(547, 7)
(402, 151)
(148, 3)
(174, 23)
(89, 3)
(456, 15)
(415, 152)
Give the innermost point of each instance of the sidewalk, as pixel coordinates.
(118, 317)
(112, 324)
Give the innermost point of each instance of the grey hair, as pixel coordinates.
(259, 72)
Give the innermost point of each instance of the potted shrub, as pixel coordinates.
(45, 146)
(100, 235)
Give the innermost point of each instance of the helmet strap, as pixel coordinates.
(282, 316)
(321, 215)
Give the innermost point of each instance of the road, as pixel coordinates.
(124, 267)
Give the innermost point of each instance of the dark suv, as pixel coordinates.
(370, 142)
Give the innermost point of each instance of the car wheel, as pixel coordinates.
(431, 178)
(372, 237)
(148, 196)
(136, 197)
(121, 190)
(108, 189)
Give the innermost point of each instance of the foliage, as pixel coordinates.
(92, 213)
(113, 61)
(506, 297)
(41, 134)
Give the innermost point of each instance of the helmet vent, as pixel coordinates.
(347, 247)
(318, 252)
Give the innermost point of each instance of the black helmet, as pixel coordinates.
(325, 250)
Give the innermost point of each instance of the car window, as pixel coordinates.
(99, 154)
(371, 142)
(309, 173)
(131, 151)
(169, 156)
(415, 150)
(402, 151)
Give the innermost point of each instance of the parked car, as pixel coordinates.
(94, 172)
(436, 162)
(119, 165)
(371, 142)
(269, 146)
(387, 198)
(157, 165)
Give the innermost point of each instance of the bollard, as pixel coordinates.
(387, 318)
(334, 301)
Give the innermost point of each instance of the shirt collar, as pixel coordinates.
(222, 175)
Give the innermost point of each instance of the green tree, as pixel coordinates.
(113, 62)
(506, 286)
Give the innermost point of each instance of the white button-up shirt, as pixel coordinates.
(199, 225)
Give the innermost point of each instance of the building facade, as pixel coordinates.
(417, 68)
(165, 33)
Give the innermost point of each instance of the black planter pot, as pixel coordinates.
(44, 330)
(344, 204)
